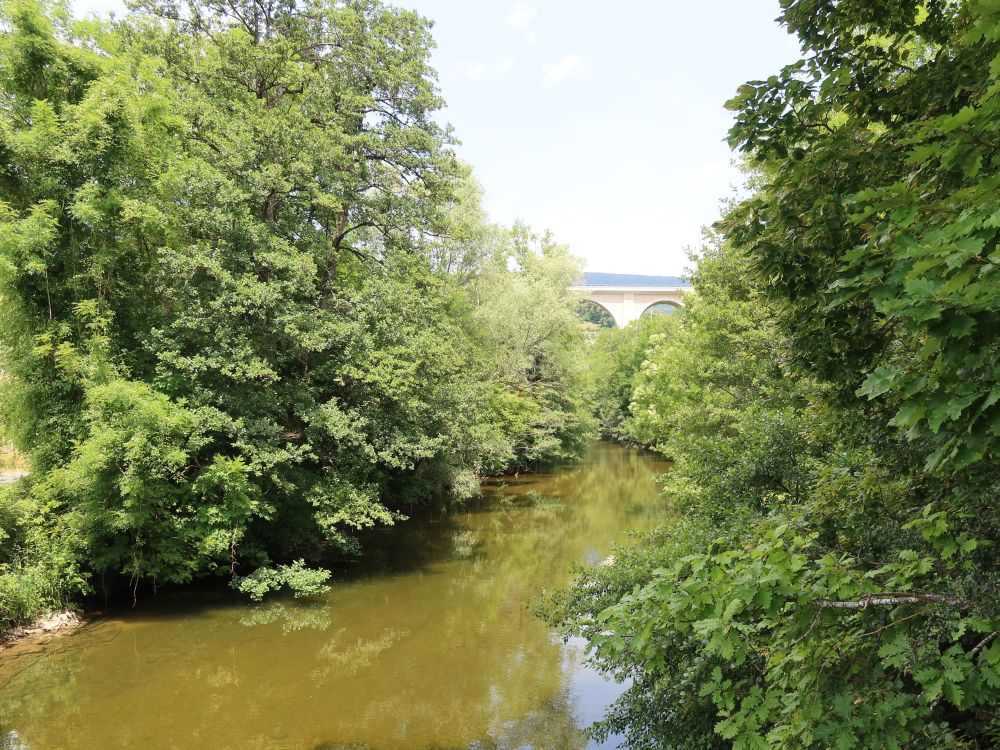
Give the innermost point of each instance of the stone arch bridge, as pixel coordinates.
(627, 296)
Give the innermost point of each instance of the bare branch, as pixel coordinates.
(983, 644)
(887, 599)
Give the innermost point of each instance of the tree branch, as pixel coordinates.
(887, 598)
(983, 644)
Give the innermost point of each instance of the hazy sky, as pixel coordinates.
(602, 121)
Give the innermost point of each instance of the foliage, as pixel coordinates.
(297, 577)
(809, 571)
(594, 316)
(250, 301)
(714, 395)
(827, 398)
(882, 249)
(616, 356)
(38, 572)
(526, 324)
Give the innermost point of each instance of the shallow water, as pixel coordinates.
(425, 645)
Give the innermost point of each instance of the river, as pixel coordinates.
(426, 644)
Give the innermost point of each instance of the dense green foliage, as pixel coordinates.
(615, 359)
(831, 399)
(529, 335)
(250, 302)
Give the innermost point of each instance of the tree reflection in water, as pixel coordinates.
(425, 643)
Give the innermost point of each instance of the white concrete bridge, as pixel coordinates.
(627, 296)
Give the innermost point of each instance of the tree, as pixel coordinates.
(236, 267)
(527, 326)
(880, 145)
(833, 581)
(616, 357)
(187, 363)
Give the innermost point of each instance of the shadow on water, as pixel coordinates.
(423, 644)
(411, 546)
(420, 544)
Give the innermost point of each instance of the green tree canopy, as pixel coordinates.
(246, 289)
(830, 398)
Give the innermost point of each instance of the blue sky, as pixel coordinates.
(602, 121)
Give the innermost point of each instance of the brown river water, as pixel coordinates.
(425, 644)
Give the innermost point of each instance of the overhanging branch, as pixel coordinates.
(887, 599)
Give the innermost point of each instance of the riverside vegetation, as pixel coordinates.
(831, 399)
(252, 306)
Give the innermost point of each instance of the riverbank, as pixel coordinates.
(44, 628)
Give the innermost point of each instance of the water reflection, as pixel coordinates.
(424, 645)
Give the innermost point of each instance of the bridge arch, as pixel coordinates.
(596, 313)
(662, 307)
(628, 296)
